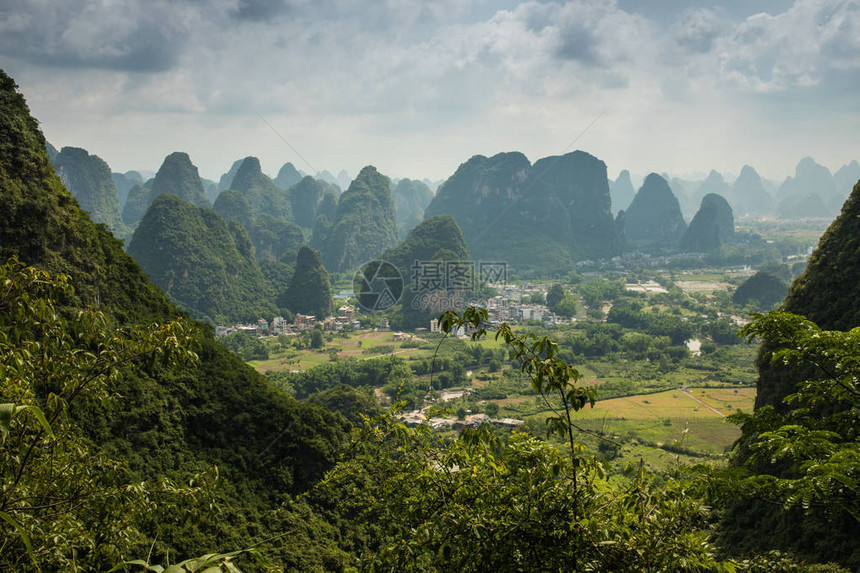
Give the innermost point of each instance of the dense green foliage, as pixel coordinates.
(561, 202)
(262, 194)
(89, 180)
(377, 372)
(275, 239)
(437, 240)
(353, 403)
(205, 266)
(310, 289)
(246, 346)
(63, 502)
(654, 217)
(365, 224)
(711, 227)
(805, 459)
(305, 198)
(480, 503)
(98, 424)
(653, 323)
(178, 176)
(826, 293)
(560, 302)
(233, 206)
(435, 234)
(169, 424)
(41, 222)
(764, 289)
(801, 406)
(277, 274)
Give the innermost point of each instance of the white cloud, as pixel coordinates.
(422, 86)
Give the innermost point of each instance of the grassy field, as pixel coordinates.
(359, 345)
(662, 426)
(675, 404)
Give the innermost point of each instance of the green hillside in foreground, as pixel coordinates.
(168, 423)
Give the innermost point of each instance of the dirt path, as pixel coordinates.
(708, 406)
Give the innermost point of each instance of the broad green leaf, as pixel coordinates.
(24, 537)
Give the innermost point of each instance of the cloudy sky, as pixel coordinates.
(417, 87)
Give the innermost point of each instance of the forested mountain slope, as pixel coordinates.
(173, 424)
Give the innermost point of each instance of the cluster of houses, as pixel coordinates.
(345, 319)
(504, 308)
(636, 259)
(417, 418)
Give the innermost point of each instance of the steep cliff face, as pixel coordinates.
(480, 192)
(539, 217)
(571, 201)
(226, 179)
(178, 176)
(654, 217)
(365, 224)
(712, 226)
(124, 182)
(88, 178)
(410, 197)
(622, 192)
(287, 176)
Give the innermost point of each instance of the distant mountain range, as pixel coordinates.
(540, 217)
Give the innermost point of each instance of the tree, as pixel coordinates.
(805, 459)
(566, 307)
(317, 339)
(64, 504)
(554, 296)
